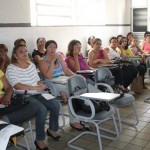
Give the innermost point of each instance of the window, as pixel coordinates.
(67, 12)
(139, 19)
(140, 15)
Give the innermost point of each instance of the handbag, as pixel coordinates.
(109, 80)
(17, 102)
(137, 85)
(98, 105)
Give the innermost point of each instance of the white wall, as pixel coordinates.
(118, 11)
(61, 34)
(18, 11)
(15, 11)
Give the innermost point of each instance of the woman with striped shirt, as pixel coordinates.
(22, 75)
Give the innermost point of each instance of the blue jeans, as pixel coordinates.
(43, 107)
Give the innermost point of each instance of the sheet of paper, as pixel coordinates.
(47, 96)
(2, 106)
(4, 136)
(60, 80)
(101, 96)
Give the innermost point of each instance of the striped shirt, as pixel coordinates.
(27, 76)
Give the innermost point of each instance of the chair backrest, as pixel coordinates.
(77, 85)
(148, 62)
(102, 73)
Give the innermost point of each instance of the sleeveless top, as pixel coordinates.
(146, 47)
(82, 63)
(35, 53)
(100, 55)
(56, 71)
(113, 53)
(129, 52)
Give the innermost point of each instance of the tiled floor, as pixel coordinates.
(131, 138)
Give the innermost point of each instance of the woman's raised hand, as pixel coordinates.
(54, 57)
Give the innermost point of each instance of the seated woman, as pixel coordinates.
(135, 48)
(127, 51)
(75, 60)
(22, 75)
(39, 52)
(129, 37)
(19, 41)
(16, 117)
(4, 59)
(53, 66)
(119, 37)
(128, 72)
(98, 57)
(145, 46)
(22, 41)
(89, 43)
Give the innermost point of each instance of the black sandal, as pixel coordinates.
(85, 127)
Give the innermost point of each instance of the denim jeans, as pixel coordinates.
(43, 107)
(21, 115)
(53, 89)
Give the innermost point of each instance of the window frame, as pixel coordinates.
(75, 18)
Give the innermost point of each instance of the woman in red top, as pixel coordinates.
(97, 56)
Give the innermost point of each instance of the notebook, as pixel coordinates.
(85, 71)
(60, 80)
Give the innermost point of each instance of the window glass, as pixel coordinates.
(139, 19)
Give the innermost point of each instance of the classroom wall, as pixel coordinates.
(15, 23)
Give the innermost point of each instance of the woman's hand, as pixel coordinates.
(54, 57)
(6, 100)
(41, 87)
(59, 57)
(75, 53)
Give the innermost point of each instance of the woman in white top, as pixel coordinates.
(128, 72)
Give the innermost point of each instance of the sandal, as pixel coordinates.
(84, 127)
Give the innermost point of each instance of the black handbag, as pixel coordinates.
(17, 102)
(79, 104)
(99, 106)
